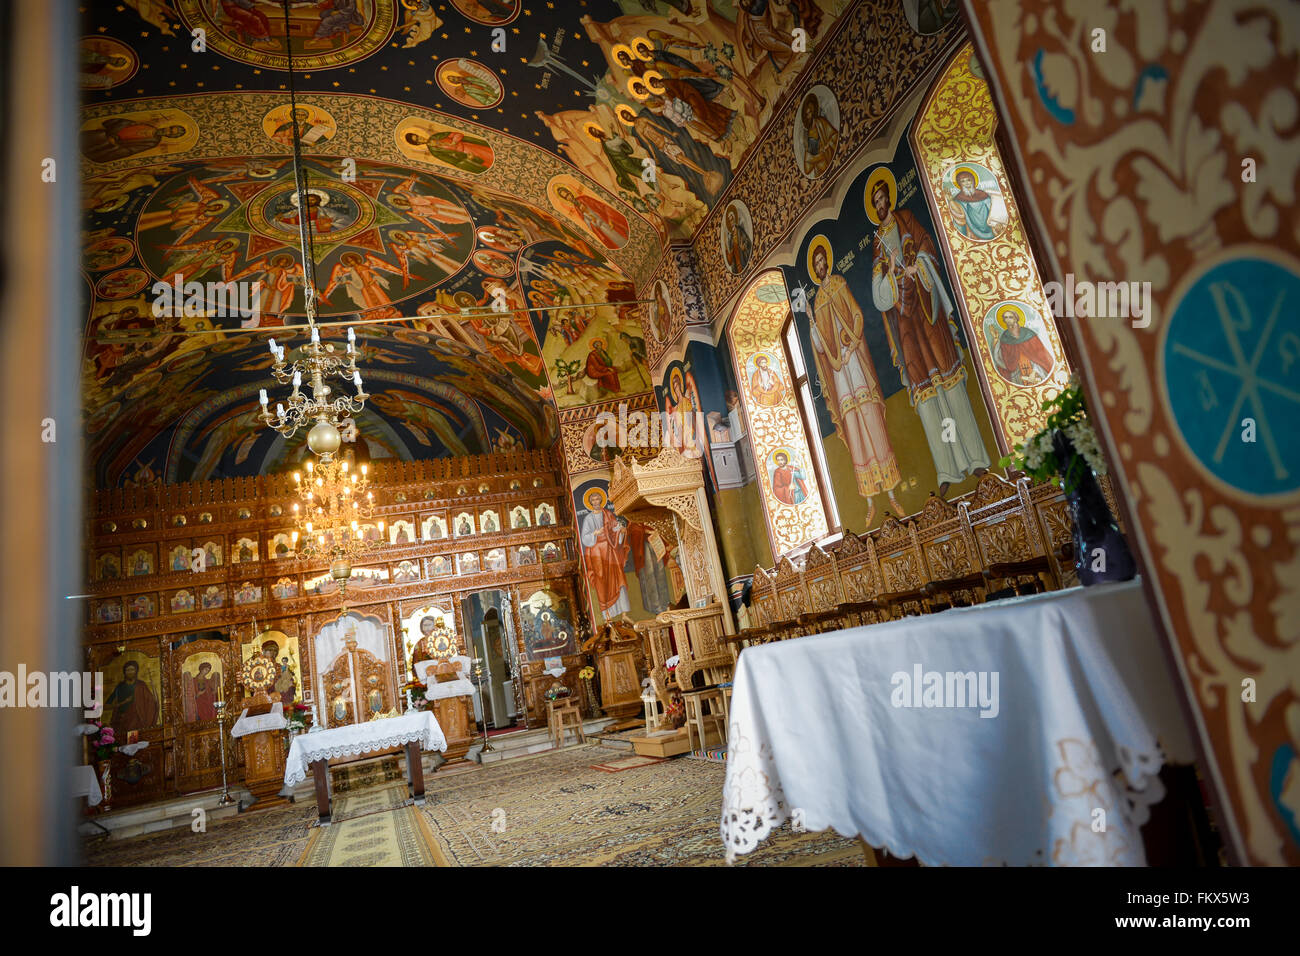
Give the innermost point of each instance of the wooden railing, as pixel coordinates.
(1001, 539)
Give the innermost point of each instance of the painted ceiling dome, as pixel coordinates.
(457, 155)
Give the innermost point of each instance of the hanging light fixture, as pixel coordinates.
(317, 362)
(334, 507)
(334, 504)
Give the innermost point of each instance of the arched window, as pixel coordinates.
(773, 384)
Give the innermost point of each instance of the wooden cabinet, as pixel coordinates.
(620, 665)
(455, 715)
(264, 758)
(537, 682)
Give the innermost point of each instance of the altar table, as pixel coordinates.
(1048, 718)
(416, 731)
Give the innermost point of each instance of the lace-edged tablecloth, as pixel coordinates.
(356, 739)
(829, 731)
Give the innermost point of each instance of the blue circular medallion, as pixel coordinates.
(1232, 374)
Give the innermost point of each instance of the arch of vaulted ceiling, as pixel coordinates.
(438, 163)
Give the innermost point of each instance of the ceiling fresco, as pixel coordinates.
(456, 153)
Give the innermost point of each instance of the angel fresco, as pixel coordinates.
(280, 275)
(185, 215)
(433, 211)
(359, 275)
(422, 247)
(191, 260)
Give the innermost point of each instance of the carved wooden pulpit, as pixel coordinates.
(667, 493)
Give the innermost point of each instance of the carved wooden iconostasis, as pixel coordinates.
(184, 627)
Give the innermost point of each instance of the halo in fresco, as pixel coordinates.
(788, 477)
(736, 234)
(322, 36)
(106, 63)
(428, 142)
(337, 211)
(882, 174)
(578, 204)
(490, 12)
(315, 125)
(122, 283)
(824, 244)
(493, 263)
(816, 131)
(929, 16)
(1018, 343)
(469, 83)
(974, 201)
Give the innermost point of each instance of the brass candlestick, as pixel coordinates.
(480, 682)
(225, 799)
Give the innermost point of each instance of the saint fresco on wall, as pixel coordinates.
(623, 562)
(888, 353)
(1016, 337)
(850, 388)
(816, 132)
(737, 236)
(593, 352)
(974, 201)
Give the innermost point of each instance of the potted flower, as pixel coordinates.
(416, 695)
(104, 741)
(298, 716)
(1066, 453)
(587, 675)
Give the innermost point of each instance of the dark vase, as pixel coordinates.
(1100, 552)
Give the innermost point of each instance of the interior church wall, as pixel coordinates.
(848, 232)
(1166, 165)
(188, 573)
(794, 197)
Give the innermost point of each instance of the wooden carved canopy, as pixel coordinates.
(667, 493)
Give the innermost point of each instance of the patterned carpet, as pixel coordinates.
(551, 809)
(369, 832)
(557, 809)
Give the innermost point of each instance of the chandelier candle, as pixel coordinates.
(316, 363)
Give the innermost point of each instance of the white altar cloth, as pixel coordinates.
(356, 739)
(271, 720)
(85, 783)
(460, 687)
(1082, 691)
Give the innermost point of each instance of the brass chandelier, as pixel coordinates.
(317, 364)
(334, 508)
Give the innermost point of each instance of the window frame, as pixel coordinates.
(802, 385)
